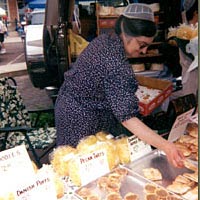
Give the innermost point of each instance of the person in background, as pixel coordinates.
(189, 79)
(2, 35)
(98, 93)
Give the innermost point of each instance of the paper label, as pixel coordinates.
(41, 188)
(194, 118)
(19, 180)
(180, 125)
(16, 162)
(137, 147)
(93, 165)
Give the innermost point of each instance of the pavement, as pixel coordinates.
(12, 64)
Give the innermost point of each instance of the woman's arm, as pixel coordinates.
(138, 128)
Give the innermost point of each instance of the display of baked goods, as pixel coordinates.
(152, 174)
(131, 196)
(138, 67)
(183, 31)
(124, 188)
(178, 188)
(192, 176)
(188, 142)
(157, 66)
(188, 164)
(146, 94)
(123, 150)
(192, 194)
(60, 158)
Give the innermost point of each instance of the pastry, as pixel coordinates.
(131, 196)
(93, 197)
(190, 166)
(151, 197)
(178, 188)
(157, 66)
(113, 196)
(121, 171)
(161, 193)
(84, 192)
(192, 194)
(152, 174)
(150, 188)
(102, 182)
(192, 176)
(60, 158)
(139, 67)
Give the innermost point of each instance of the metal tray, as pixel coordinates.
(157, 159)
(132, 182)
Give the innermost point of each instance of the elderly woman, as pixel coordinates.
(98, 92)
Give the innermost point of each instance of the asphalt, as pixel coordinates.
(12, 64)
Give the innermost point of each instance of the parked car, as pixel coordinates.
(33, 45)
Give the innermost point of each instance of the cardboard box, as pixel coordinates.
(164, 85)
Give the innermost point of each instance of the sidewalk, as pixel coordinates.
(12, 63)
(12, 68)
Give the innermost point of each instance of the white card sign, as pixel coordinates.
(41, 188)
(180, 125)
(16, 162)
(92, 166)
(194, 118)
(19, 180)
(137, 147)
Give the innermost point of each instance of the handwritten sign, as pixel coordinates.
(137, 147)
(16, 162)
(180, 125)
(19, 180)
(41, 188)
(194, 118)
(93, 165)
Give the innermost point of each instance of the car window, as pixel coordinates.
(37, 18)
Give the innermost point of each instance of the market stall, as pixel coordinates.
(105, 167)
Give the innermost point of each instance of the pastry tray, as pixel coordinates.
(132, 182)
(157, 159)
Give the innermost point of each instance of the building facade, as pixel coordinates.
(12, 10)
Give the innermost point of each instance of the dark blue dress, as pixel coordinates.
(98, 92)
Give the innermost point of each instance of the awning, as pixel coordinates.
(37, 4)
(2, 12)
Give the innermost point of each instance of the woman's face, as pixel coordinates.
(135, 46)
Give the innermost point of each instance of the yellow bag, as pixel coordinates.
(77, 43)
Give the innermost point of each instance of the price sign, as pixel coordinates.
(180, 125)
(137, 147)
(194, 118)
(19, 180)
(41, 188)
(93, 165)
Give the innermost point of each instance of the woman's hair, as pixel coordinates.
(135, 27)
(190, 12)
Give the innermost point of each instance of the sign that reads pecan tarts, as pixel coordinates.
(93, 165)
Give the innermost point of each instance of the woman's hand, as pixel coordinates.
(174, 156)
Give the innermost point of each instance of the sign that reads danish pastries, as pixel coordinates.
(18, 178)
(93, 165)
(137, 147)
(41, 188)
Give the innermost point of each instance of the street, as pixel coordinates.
(12, 63)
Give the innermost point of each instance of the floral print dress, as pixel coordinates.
(98, 92)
